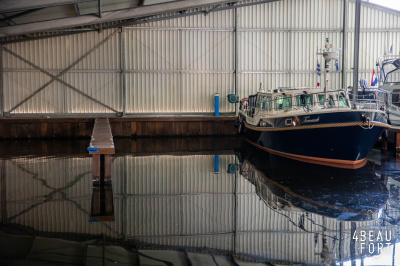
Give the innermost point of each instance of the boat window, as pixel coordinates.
(321, 99)
(396, 98)
(283, 102)
(392, 73)
(269, 103)
(264, 102)
(304, 99)
(342, 100)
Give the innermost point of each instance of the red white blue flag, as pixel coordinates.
(374, 79)
(318, 69)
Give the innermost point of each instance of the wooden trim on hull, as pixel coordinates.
(349, 124)
(328, 162)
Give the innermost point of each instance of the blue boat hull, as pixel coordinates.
(347, 138)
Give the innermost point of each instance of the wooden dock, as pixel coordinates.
(102, 140)
(101, 148)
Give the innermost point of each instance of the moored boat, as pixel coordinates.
(388, 88)
(311, 123)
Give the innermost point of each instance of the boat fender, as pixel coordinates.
(236, 124)
(232, 168)
(92, 149)
(240, 128)
(232, 98)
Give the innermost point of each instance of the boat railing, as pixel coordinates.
(290, 104)
(375, 98)
(283, 89)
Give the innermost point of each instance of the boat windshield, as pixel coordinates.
(391, 71)
(321, 99)
(342, 101)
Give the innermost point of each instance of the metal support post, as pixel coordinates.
(236, 204)
(1, 83)
(352, 241)
(3, 191)
(123, 73)
(124, 200)
(344, 44)
(236, 59)
(100, 8)
(356, 50)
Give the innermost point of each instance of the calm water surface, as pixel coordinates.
(194, 201)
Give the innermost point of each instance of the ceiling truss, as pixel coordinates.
(78, 23)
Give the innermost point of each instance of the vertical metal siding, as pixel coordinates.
(178, 195)
(97, 75)
(177, 65)
(176, 175)
(178, 70)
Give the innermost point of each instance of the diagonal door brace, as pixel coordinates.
(59, 80)
(53, 78)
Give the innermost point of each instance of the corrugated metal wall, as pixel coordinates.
(176, 66)
(97, 75)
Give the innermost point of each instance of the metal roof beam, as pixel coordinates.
(20, 5)
(212, 9)
(110, 16)
(8, 21)
(186, 13)
(20, 14)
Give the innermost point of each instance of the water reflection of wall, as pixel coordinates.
(168, 200)
(310, 223)
(52, 195)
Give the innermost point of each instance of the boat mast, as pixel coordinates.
(328, 54)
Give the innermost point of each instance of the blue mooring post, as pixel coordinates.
(216, 164)
(216, 104)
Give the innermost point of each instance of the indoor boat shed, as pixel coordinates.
(158, 68)
(154, 67)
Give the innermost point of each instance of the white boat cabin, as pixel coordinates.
(287, 102)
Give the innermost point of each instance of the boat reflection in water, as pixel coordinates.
(331, 204)
(170, 207)
(342, 193)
